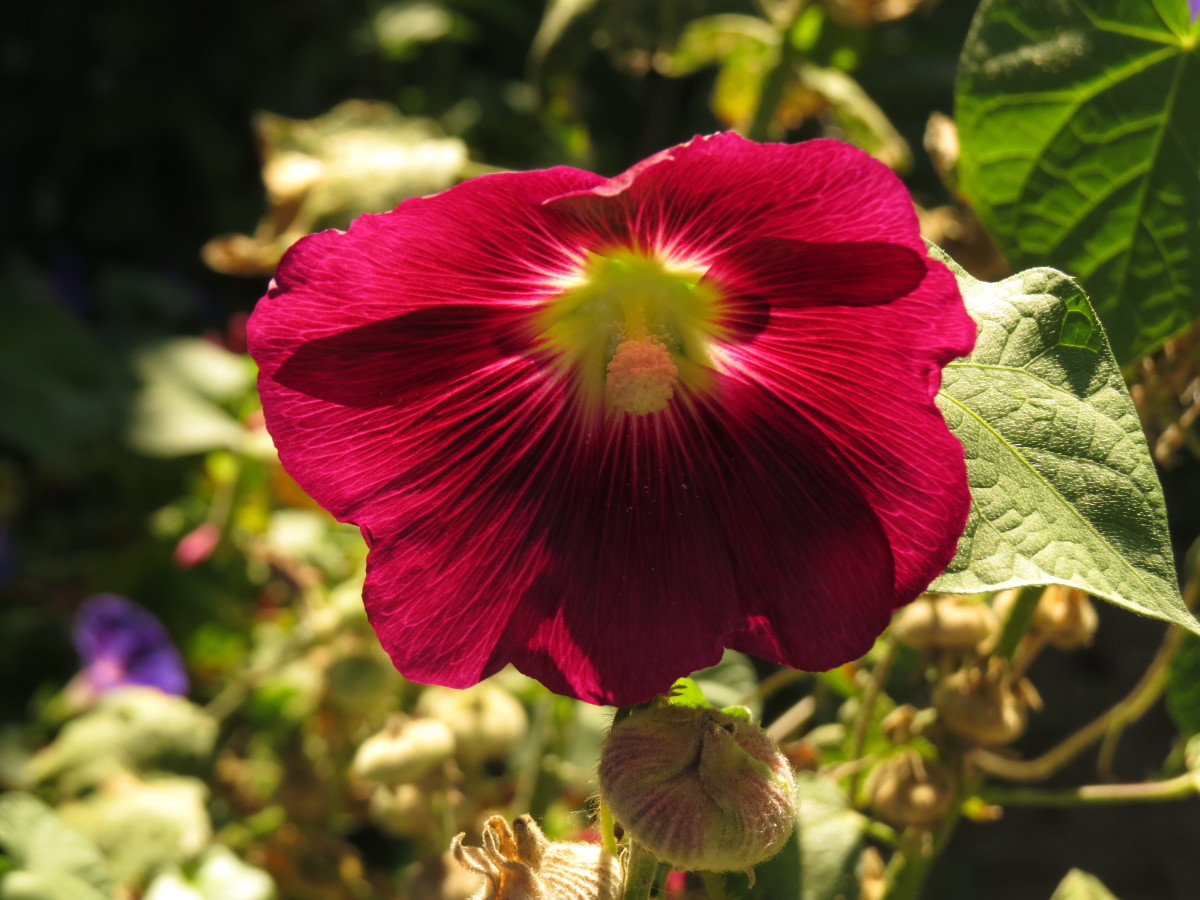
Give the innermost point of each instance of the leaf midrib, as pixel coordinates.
(1088, 527)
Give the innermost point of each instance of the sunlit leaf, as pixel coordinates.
(360, 157)
(219, 876)
(48, 854)
(1063, 487)
(1081, 149)
(685, 692)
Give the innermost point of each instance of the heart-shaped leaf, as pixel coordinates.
(1063, 489)
(1080, 145)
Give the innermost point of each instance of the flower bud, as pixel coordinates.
(486, 720)
(986, 706)
(944, 622)
(405, 750)
(700, 789)
(906, 790)
(519, 863)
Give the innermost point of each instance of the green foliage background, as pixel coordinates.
(132, 136)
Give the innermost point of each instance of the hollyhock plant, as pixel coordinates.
(123, 645)
(603, 428)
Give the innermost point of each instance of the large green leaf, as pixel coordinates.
(1080, 146)
(1063, 489)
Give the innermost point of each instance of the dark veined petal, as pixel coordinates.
(782, 504)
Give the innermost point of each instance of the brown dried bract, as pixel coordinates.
(519, 863)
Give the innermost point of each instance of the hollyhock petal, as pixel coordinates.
(432, 376)
(358, 322)
(713, 193)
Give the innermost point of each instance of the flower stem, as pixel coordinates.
(1178, 788)
(640, 866)
(776, 78)
(1127, 710)
(1019, 618)
(917, 852)
(866, 713)
(714, 883)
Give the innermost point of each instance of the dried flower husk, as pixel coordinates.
(986, 705)
(945, 622)
(906, 790)
(403, 751)
(700, 789)
(519, 863)
(486, 720)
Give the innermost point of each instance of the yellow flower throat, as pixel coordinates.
(634, 329)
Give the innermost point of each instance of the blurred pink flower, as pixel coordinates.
(604, 428)
(197, 545)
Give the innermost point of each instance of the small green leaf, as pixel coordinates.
(1080, 147)
(685, 692)
(1079, 885)
(1063, 488)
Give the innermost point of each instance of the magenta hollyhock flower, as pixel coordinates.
(603, 428)
(123, 645)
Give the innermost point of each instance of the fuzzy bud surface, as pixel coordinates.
(700, 789)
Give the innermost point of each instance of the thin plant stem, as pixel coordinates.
(866, 713)
(776, 78)
(1178, 788)
(1017, 623)
(530, 772)
(608, 835)
(793, 717)
(714, 883)
(772, 683)
(1129, 709)
(640, 866)
(917, 851)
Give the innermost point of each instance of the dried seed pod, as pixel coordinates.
(944, 622)
(702, 790)
(906, 790)
(405, 750)
(519, 863)
(986, 706)
(486, 720)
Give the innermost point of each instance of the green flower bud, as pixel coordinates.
(700, 789)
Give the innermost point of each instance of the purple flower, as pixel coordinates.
(122, 645)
